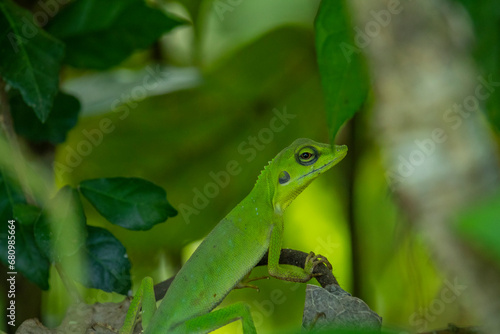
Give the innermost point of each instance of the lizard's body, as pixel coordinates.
(238, 242)
(234, 228)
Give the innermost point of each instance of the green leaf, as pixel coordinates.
(343, 78)
(485, 17)
(100, 36)
(61, 224)
(10, 195)
(30, 58)
(63, 118)
(480, 226)
(29, 261)
(133, 203)
(108, 263)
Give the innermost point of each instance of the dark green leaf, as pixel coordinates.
(63, 118)
(109, 266)
(30, 58)
(480, 226)
(485, 17)
(87, 16)
(10, 195)
(29, 260)
(62, 223)
(132, 203)
(26, 214)
(343, 78)
(100, 36)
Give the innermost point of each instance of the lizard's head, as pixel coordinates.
(298, 165)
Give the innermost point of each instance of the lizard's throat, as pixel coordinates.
(281, 201)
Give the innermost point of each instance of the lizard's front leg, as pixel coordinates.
(289, 272)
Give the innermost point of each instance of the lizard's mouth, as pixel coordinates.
(318, 169)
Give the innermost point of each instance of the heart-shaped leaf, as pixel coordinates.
(133, 203)
(108, 263)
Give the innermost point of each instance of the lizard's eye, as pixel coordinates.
(307, 156)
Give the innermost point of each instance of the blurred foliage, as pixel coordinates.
(62, 118)
(99, 37)
(479, 225)
(29, 260)
(485, 17)
(264, 65)
(68, 224)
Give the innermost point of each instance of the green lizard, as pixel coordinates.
(225, 258)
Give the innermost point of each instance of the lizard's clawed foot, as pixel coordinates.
(313, 260)
(244, 282)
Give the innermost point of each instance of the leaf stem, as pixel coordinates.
(68, 284)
